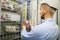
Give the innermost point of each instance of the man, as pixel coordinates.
(48, 30)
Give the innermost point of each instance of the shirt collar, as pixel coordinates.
(49, 19)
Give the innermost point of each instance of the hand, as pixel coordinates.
(27, 26)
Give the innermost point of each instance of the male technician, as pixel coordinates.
(48, 30)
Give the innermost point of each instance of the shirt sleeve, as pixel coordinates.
(29, 35)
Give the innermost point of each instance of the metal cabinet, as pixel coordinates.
(10, 27)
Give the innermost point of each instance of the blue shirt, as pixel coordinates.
(48, 30)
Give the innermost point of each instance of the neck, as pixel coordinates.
(48, 15)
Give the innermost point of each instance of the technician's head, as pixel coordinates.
(46, 11)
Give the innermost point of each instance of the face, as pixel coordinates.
(42, 13)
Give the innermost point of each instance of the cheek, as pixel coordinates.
(41, 13)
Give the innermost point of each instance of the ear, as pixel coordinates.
(46, 10)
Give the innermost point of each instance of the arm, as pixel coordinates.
(29, 35)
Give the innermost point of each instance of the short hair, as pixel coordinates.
(51, 9)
